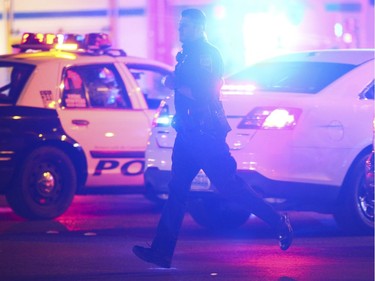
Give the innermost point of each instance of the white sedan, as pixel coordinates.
(302, 129)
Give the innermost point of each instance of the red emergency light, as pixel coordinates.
(97, 41)
(35, 41)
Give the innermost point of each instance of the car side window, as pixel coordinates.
(74, 91)
(368, 92)
(96, 86)
(13, 78)
(150, 80)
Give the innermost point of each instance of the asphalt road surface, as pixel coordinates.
(93, 241)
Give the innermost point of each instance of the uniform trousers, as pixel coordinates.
(192, 152)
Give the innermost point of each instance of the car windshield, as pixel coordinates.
(13, 78)
(297, 77)
(150, 81)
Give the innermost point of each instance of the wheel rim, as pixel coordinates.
(366, 200)
(45, 183)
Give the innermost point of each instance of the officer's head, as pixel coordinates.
(192, 25)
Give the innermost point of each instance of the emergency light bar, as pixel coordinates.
(69, 42)
(35, 41)
(97, 41)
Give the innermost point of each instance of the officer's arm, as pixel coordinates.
(206, 80)
(169, 82)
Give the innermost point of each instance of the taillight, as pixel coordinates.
(271, 118)
(162, 117)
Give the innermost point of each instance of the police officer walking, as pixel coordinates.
(200, 143)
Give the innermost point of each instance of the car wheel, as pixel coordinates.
(216, 213)
(355, 209)
(158, 199)
(44, 186)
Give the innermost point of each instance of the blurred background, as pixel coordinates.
(244, 30)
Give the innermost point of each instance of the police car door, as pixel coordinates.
(106, 122)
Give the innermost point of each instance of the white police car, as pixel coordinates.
(73, 121)
(301, 134)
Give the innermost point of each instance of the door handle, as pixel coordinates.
(80, 122)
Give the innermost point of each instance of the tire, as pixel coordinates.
(355, 209)
(216, 213)
(156, 198)
(44, 186)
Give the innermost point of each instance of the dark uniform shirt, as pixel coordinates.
(199, 68)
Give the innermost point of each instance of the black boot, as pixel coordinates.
(149, 255)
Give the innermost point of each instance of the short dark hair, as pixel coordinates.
(196, 15)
